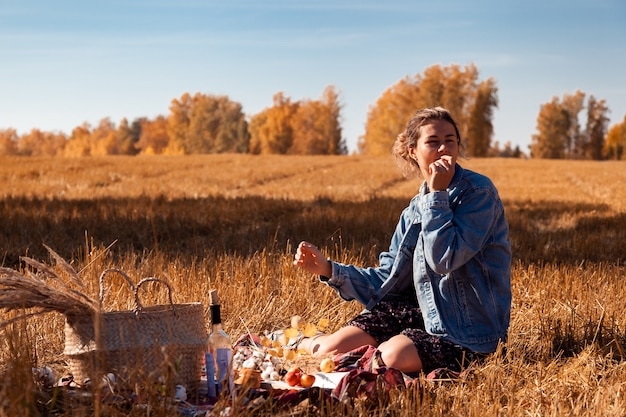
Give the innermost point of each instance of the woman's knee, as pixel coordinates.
(318, 345)
(399, 352)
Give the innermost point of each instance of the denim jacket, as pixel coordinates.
(452, 249)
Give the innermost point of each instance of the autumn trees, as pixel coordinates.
(271, 130)
(8, 142)
(615, 144)
(308, 127)
(206, 124)
(33, 143)
(559, 134)
(201, 123)
(456, 88)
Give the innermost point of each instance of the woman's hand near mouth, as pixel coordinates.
(441, 173)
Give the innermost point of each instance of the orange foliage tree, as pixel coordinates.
(553, 124)
(572, 105)
(388, 117)
(128, 136)
(104, 139)
(307, 127)
(153, 137)
(39, 143)
(559, 135)
(271, 130)
(480, 126)
(207, 124)
(454, 87)
(8, 142)
(615, 143)
(317, 127)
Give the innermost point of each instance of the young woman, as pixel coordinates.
(441, 295)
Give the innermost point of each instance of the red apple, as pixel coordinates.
(293, 377)
(307, 380)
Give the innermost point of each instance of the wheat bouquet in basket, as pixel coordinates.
(159, 342)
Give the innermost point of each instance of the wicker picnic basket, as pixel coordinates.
(160, 342)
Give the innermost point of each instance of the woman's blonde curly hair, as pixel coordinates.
(408, 139)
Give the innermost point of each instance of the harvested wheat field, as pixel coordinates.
(232, 222)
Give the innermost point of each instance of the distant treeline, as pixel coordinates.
(204, 124)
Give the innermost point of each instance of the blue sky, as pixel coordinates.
(65, 62)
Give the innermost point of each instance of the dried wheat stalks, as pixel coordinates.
(43, 290)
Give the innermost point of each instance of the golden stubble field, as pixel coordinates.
(231, 222)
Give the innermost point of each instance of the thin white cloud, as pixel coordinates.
(392, 6)
(515, 60)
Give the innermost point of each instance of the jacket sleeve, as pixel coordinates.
(453, 237)
(361, 284)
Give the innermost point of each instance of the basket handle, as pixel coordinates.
(128, 280)
(152, 279)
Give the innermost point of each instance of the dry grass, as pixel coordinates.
(231, 222)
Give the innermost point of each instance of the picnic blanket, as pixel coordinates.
(366, 379)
